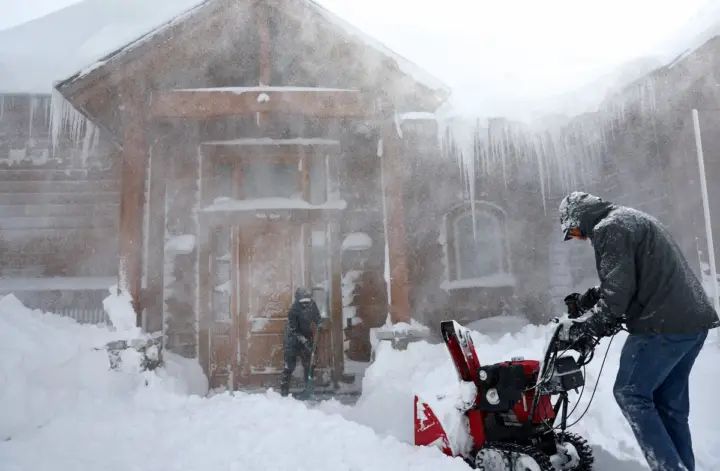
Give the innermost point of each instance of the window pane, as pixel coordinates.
(263, 180)
(478, 254)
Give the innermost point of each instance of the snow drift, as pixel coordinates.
(62, 408)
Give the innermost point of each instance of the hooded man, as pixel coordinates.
(299, 338)
(645, 282)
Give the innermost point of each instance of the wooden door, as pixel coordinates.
(268, 271)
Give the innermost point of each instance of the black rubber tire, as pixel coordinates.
(583, 449)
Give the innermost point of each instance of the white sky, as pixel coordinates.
(497, 55)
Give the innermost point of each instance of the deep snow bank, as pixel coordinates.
(390, 383)
(61, 408)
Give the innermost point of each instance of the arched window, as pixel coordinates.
(476, 247)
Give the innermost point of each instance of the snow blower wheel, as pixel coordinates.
(511, 457)
(577, 453)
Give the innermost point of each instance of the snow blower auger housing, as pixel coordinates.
(517, 420)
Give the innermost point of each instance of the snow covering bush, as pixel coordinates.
(51, 365)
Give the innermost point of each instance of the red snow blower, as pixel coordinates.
(518, 419)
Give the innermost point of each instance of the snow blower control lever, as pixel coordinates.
(519, 416)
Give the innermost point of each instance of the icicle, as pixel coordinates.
(88, 143)
(541, 173)
(33, 105)
(64, 117)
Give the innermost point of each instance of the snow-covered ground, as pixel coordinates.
(61, 408)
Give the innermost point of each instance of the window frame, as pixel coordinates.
(452, 247)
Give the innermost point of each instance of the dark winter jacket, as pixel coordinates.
(643, 274)
(302, 318)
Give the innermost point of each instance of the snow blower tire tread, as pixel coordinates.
(542, 460)
(584, 451)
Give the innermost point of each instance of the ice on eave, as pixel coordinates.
(263, 89)
(417, 116)
(230, 204)
(266, 141)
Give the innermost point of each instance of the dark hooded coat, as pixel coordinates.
(302, 318)
(643, 275)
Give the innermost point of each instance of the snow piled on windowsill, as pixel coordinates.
(500, 280)
(182, 244)
(357, 241)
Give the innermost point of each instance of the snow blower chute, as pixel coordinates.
(518, 418)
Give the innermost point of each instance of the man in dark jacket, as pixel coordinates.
(303, 318)
(645, 282)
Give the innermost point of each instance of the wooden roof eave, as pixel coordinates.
(123, 65)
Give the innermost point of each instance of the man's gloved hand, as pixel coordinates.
(572, 301)
(303, 341)
(324, 323)
(601, 328)
(578, 304)
(577, 331)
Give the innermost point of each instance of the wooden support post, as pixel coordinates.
(395, 222)
(264, 48)
(336, 305)
(135, 156)
(153, 296)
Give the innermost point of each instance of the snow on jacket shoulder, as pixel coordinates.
(644, 275)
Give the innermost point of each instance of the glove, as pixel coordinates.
(303, 341)
(578, 304)
(323, 324)
(577, 331)
(572, 301)
(600, 327)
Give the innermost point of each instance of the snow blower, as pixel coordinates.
(516, 417)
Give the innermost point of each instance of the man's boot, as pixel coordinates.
(285, 383)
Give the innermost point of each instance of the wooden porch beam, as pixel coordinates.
(135, 158)
(395, 223)
(235, 101)
(281, 151)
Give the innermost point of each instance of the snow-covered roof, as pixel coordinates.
(38, 53)
(82, 37)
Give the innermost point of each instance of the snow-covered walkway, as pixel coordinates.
(62, 409)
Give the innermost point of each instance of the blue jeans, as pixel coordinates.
(652, 390)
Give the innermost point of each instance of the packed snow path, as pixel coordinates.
(62, 409)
